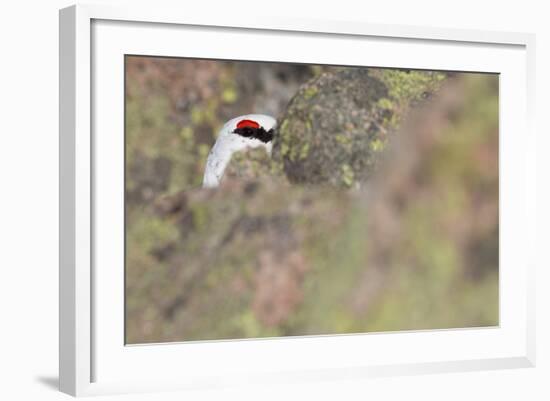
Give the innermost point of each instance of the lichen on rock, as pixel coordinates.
(339, 122)
(249, 164)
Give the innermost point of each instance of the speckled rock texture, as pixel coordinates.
(339, 122)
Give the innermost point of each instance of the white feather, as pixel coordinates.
(228, 143)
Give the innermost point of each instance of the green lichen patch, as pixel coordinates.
(340, 120)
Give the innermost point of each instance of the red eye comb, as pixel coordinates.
(248, 124)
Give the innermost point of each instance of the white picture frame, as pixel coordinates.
(93, 357)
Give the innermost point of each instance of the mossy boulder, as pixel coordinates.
(339, 122)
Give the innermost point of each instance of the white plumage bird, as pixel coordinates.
(239, 133)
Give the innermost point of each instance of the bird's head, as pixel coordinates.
(238, 134)
(250, 129)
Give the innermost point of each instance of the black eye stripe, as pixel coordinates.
(258, 133)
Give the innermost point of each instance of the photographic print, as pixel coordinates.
(267, 199)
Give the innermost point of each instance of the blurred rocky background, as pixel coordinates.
(377, 212)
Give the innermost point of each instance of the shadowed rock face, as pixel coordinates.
(337, 124)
